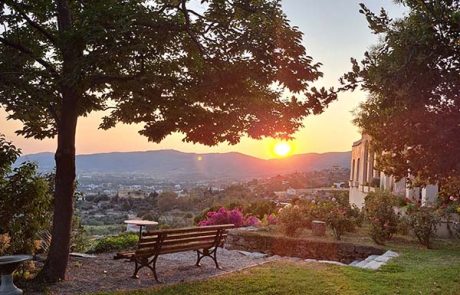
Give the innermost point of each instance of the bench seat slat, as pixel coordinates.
(150, 238)
(186, 247)
(190, 229)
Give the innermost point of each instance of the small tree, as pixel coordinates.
(292, 220)
(423, 222)
(378, 210)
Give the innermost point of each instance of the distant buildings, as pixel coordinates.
(364, 178)
(125, 193)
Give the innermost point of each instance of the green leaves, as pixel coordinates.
(206, 71)
(413, 78)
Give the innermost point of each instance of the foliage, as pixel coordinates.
(413, 77)
(169, 40)
(260, 208)
(271, 219)
(291, 220)
(379, 211)
(5, 242)
(79, 237)
(167, 201)
(339, 216)
(115, 243)
(449, 194)
(423, 222)
(229, 216)
(25, 201)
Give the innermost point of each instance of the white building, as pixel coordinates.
(364, 178)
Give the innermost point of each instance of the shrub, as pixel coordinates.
(271, 219)
(115, 243)
(338, 215)
(5, 241)
(223, 216)
(260, 208)
(252, 221)
(25, 200)
(226, 216)
(291, 220)
(423, 222)
(378, 209)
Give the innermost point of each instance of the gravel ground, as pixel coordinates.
(103, 273)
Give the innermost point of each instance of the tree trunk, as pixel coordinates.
(56, 263)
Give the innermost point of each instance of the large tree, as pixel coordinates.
(214, 72)
(413, 77)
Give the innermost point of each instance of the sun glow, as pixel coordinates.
(282, 149)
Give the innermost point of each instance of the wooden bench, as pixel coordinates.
(204, 240)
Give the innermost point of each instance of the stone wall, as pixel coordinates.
(302, 248)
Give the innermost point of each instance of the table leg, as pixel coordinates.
(140, 230)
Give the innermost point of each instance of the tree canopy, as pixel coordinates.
(413, 77)
(213, 71)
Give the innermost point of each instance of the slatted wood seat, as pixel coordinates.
(204, 240)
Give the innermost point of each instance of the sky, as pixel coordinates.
(334, 31)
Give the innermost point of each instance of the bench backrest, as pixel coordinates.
(182, 239)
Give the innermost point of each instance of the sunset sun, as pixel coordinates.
(282, 149)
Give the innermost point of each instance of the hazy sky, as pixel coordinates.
(333, 30)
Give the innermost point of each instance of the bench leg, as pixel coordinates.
(153, 268)
(144, 262)
(137, 267)
(212, 254)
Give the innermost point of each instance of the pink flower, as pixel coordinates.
(272, 219)
(252, 221)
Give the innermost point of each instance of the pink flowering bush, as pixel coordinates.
(226, 216)
(252, 221)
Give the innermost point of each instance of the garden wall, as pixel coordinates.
(302, 248)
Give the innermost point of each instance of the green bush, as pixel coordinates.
(423, 222)
(339, 216)
(260, 208)
(25, 201)
(291, 220)
(115, 243)
(378, 210)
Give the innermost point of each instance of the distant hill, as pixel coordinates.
(171, 164)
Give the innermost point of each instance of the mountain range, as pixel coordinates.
(174, 165)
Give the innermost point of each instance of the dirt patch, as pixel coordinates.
(103, 273)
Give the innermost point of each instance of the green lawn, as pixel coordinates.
(416, 271)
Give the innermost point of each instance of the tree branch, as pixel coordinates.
(30, 53)
(32, 23)
(188, 28)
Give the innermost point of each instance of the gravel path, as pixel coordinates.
(106, 274)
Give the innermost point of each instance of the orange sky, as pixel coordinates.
(332, 35)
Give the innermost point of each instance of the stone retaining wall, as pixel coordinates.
(302, 248)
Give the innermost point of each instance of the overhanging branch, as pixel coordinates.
(32, 23)
(30, 53)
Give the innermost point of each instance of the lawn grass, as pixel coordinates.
(416, 271)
